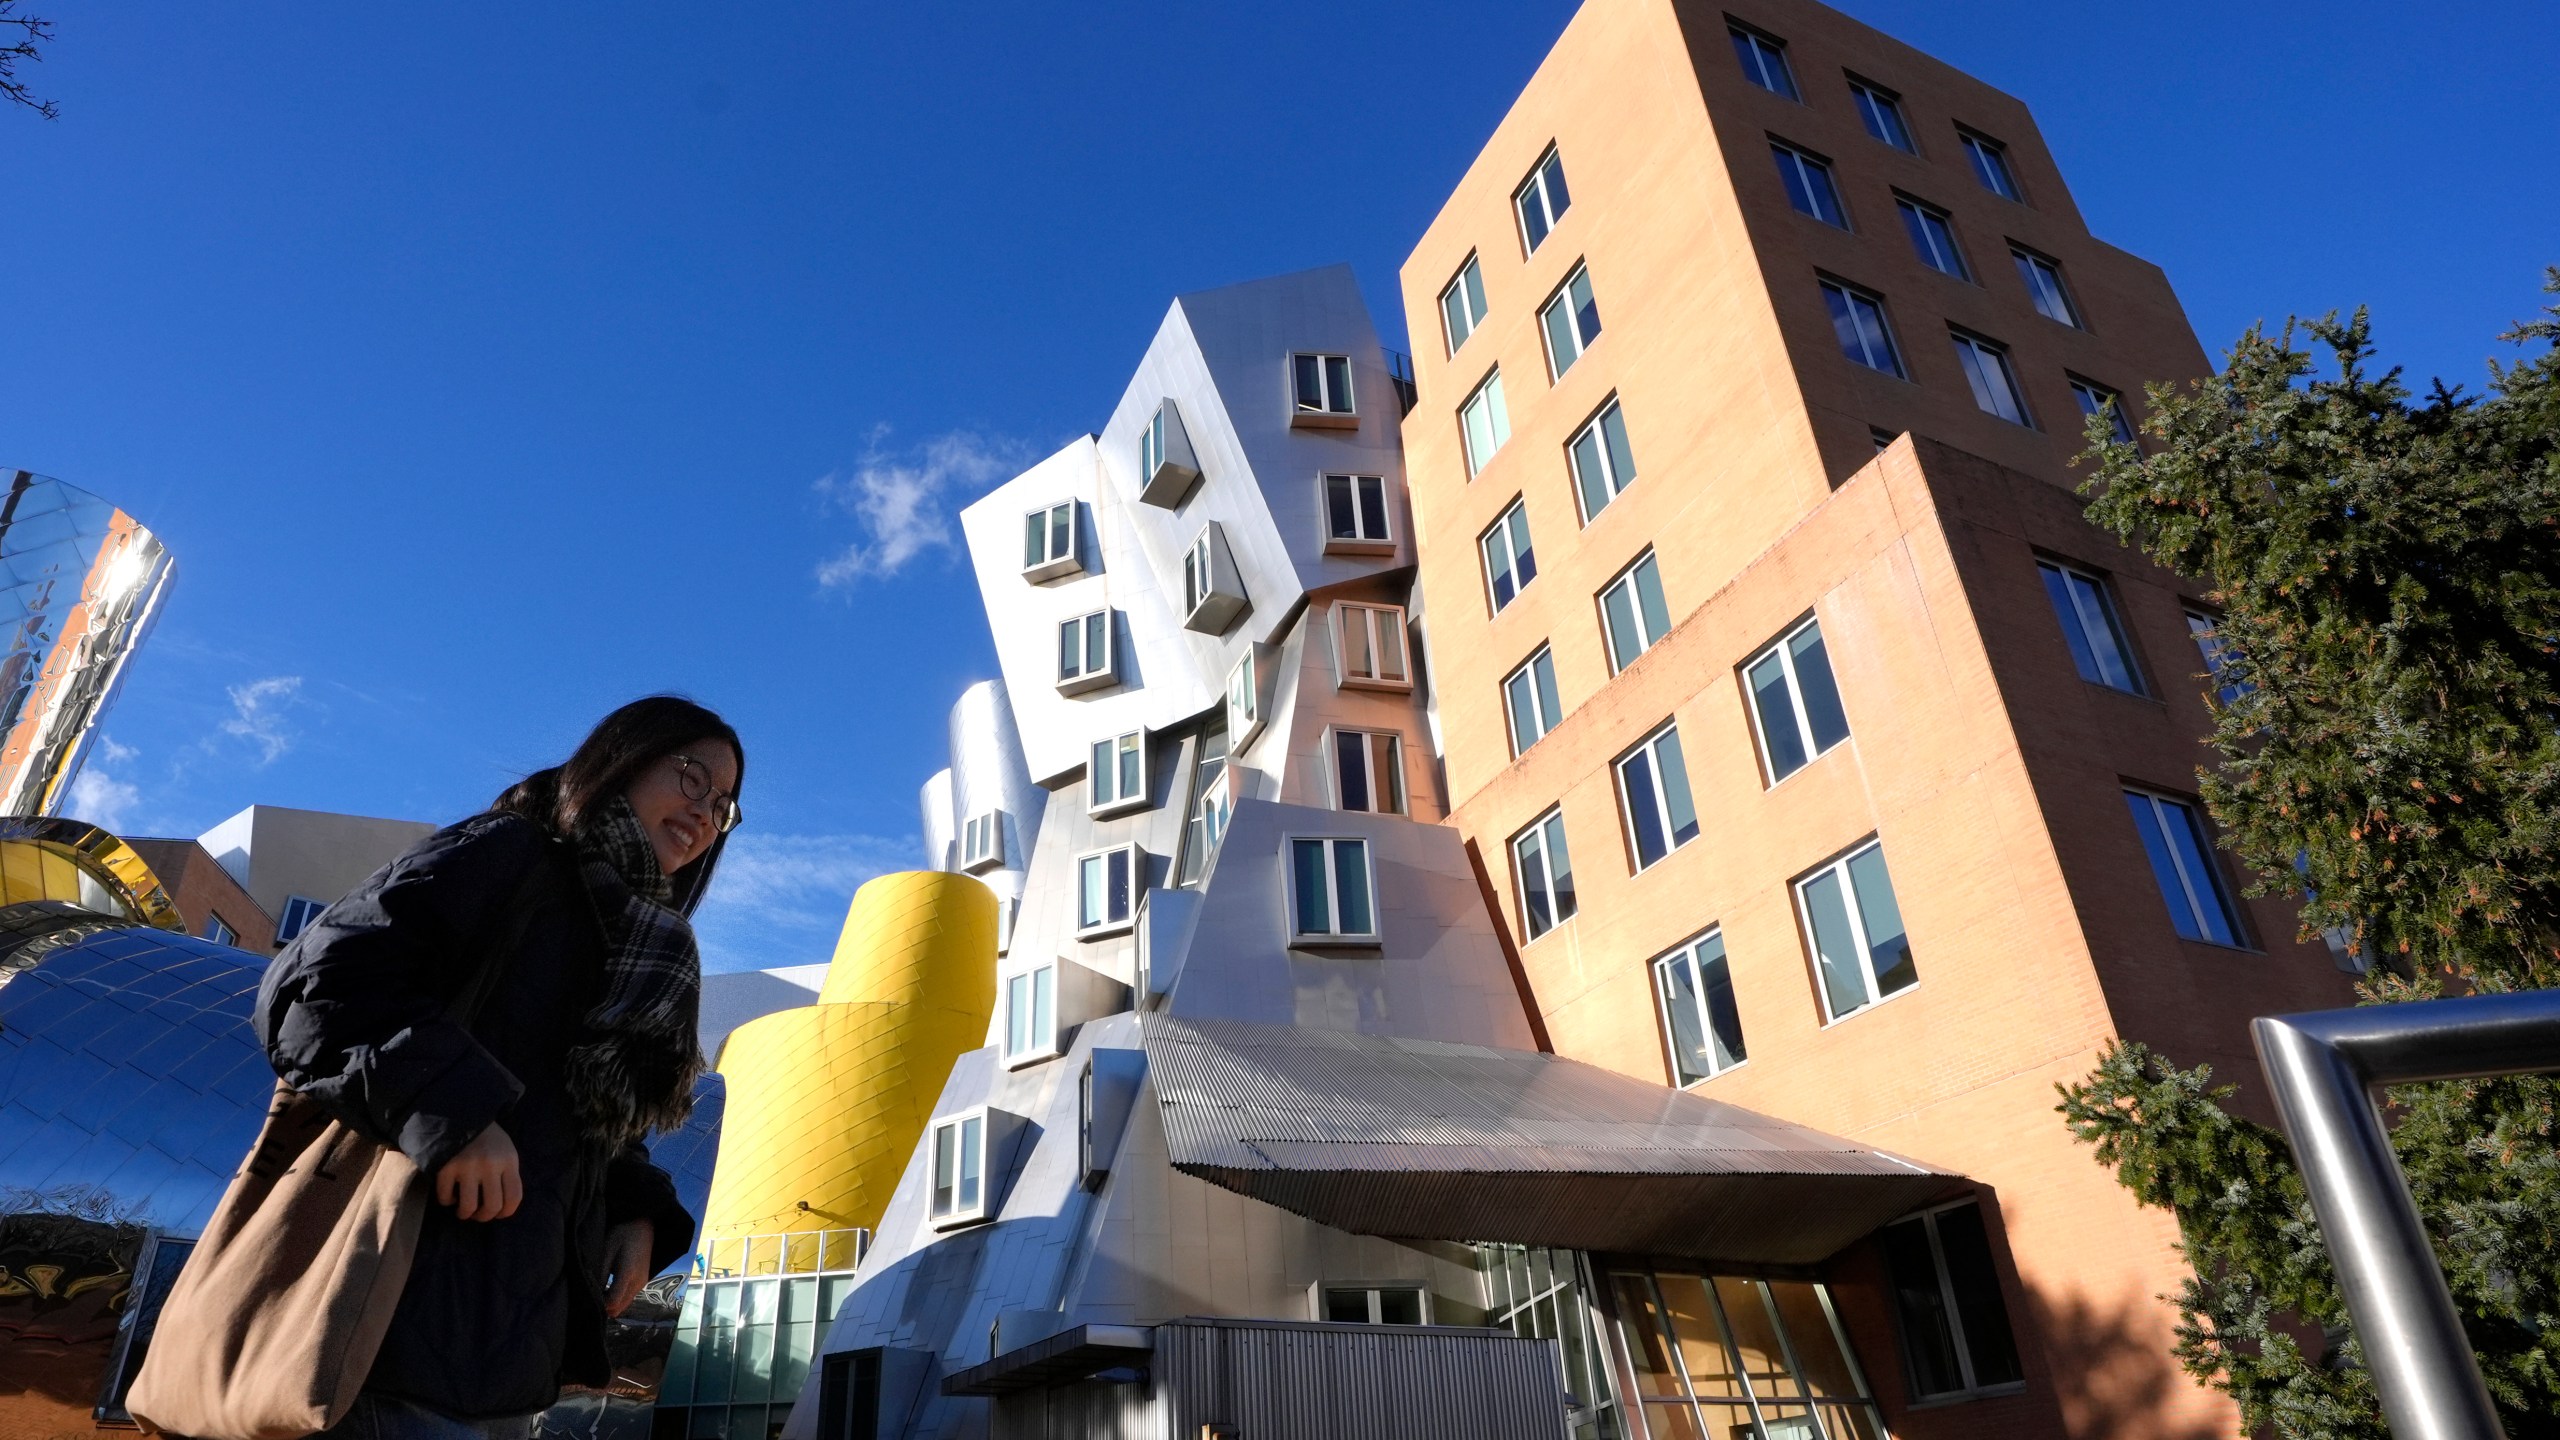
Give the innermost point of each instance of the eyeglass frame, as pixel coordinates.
(692, 776)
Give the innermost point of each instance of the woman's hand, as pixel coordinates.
(484, 1182)
(626, 1263)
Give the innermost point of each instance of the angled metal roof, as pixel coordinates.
(1428, 1139)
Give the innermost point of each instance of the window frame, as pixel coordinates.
(2041, 273)
(1248, 666)
(1784, 151)
(1980, 147)
(1375, 1290)
(1053, 564)
(1850, 294)
(2220, 893)
(1327, 411)
(1360, 542)
(1650, 748)
(1497, 417)
(1119, 801)
(1369, 753)
(1473, 296)
(2204, 627)
(1537, 698)
(1335, 937)
(295, 917)
(1763, 48)
(1690, 950)
(1613, 483)
(969, 1129)
(1635, 610)
(2108, 399)
(220, 933)
(1090, 677)
(1557, 364)
(1373, 628)
(1550, 215)
(1564, 901)
(2116, 631)
(1110, 925)
(1951, 1310)
(1511, 527)
(1915, 214)
(982, 842)
(1782, 648)
(1038, 1043)
(1855, 911)
(1971, 348)
(1861, 90)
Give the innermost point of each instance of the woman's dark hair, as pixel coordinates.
(622, 745)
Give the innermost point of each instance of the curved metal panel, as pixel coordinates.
(989, 773)
(90, 868)
(80, 583)
(941, 831)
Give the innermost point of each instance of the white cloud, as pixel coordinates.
(100, 798)
(258, 713)
(113, 753)
(905, 502)
(780, 899)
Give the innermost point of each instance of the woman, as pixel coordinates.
(547, 1216)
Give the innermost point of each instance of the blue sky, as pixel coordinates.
(487, 365)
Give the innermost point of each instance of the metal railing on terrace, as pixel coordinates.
(788, 1252)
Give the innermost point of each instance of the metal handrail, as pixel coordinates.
(2328, 1069)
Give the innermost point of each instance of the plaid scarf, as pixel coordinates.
(633, 1068)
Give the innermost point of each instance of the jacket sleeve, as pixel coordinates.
(634, 1189)
(354, 1012)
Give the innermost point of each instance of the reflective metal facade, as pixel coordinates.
(80, 584)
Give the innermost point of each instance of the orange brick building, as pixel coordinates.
(1770, 340)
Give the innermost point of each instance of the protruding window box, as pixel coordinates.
(1088, 654)
(1213, 596)
(1355, 516)
(968, 1156)
(1052, 545)
(1167, 467)
(982, 842)
(1248, 697)
(1369, 649)
(1115, 776)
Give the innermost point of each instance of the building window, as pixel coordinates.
(1809, 187)
(1857, 317)
(1545, 870)
(1542, 1294)
(960, 1169)
(1724, 1355)
(1529, 698)
(299, 911)
(1880, 110)
(1370, 640)
(1212, 805)
(1462, 306)
(1321, 385)
(1955, 1326)
(1244, 701)
(1859, 947)
(1632, 613)
(2182, 861)
(2207, 633)
(1212, 588)
(1884, 438)
(2089, 626)
(1764, 62)
(1700, 1022)
(2096, 399)
(1484, 422)
(1604, 465)
(1990, 161)
(1084, 653)
(1794, 703)
(1331, 892)
(1049, 543)
(982, 841)
(1031, 1015)
(1933, 237)
(1653, 790)
(1355, 515)
(1372, 1304)
(1368, 771)
(1107, 884)
(1509, 564)
(219, 933)
(1116, 774)
(1571, 321)
(2043, 278)
(1986, 368)
(1008, 908)
(1167, 468)
(1541, 200)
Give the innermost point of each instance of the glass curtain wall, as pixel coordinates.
(743, 1344)
(1546, 1295)
(1722, 1357)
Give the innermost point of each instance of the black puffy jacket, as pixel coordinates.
(498, 1315)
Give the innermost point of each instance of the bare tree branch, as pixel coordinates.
(33, 31)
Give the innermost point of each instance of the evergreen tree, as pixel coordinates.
(2388, 742)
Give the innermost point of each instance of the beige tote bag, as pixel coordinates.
(274, 1324)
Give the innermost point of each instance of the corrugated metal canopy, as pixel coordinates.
(1425, 1139)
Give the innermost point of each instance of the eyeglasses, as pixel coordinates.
(694, 779)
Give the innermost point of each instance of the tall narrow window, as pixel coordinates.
(1880, 110)
(1604, 465)
(1116, 774)
(1859, 947)
(1857, 318)
(1484, 422)
(1368, 771)
(1700, 1022)
(1986, 368)
(1990, 161)
(1031, 1014)
(1322, 384)
(1371, 646)
(1545, 872)
(2089, 627)
(1212, 805)
(1933, 237)
(1107, 884)
(2217, 654)
(1355, 515)
(1049, 542)
(1794, 702)
(1462, 306)
(1332, 894)
(1571, 320)
(2096, 399)
(1632, 613)
(2043, 277)
(1509, 564)
(1955, 1326)
(1244, 700)
(1529, 699)
(1653, 791)
(2182, 861)
(1808, 181)
(1541, 200)
(1764, 62)
(959, 1169)
(1084, 653)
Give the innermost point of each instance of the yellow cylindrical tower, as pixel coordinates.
(827, 1101)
